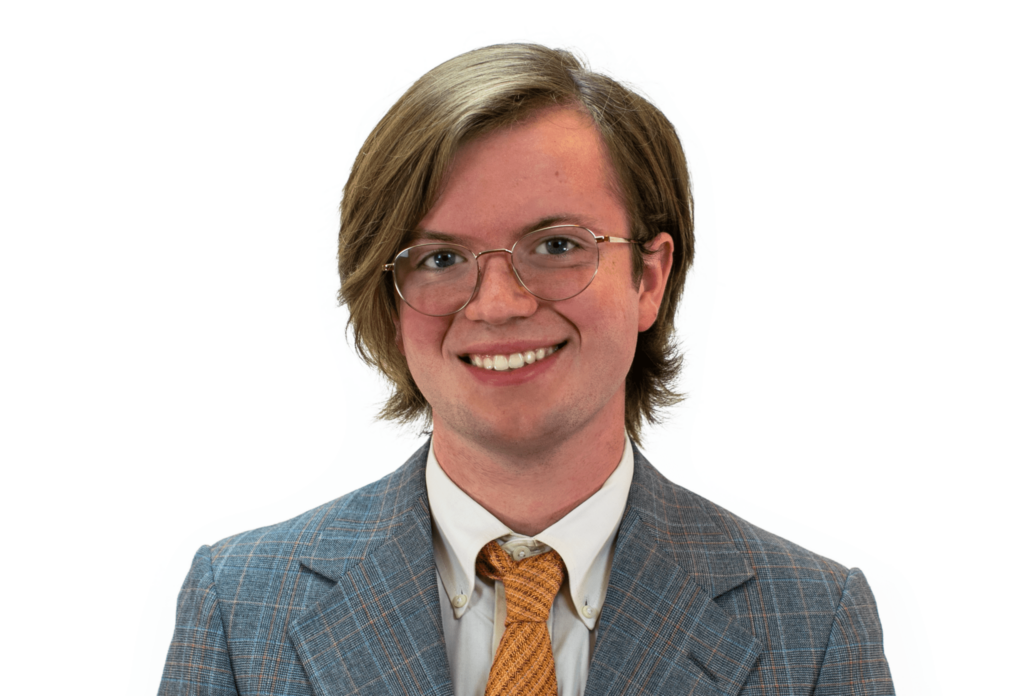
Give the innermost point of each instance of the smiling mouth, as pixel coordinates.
(512, 361)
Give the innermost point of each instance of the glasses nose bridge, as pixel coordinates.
(480, 268)
(511, 265)
(495, 251)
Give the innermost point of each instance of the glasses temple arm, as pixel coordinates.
(615, 240)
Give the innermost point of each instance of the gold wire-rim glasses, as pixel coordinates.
(598, 239)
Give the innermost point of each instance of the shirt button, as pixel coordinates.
(588, 611)
(521, 554)
(459, 601)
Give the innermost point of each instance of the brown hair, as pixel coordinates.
(401, 168)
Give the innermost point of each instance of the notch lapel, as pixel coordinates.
(378, 630)
(660, 630)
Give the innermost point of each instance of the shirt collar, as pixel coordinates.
(584, 538)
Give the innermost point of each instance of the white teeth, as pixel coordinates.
(514, 361)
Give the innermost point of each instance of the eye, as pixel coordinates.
(556, 246)
(440, 259)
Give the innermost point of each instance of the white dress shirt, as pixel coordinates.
(473, 608)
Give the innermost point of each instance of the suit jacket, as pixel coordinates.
(344, 600)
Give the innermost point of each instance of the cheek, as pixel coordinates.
(619, 316)
(421, 338)
(618, 299)
(607, 320)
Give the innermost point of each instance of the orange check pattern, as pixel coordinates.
(524, 663)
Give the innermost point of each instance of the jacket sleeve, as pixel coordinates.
(198, 663)
(855, 664)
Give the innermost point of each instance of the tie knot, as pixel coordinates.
(530, 584)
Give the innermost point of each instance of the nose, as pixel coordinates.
(499, 297)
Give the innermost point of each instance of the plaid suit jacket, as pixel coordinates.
(343, 600)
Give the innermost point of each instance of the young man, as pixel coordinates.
(514, 241)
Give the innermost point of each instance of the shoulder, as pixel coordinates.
(815, 620)
(769, 552)
(710, 538)
(794, 601)
(355, 523)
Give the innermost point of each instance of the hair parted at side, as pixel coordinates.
(400, 170)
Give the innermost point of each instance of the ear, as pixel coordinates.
(654, 279)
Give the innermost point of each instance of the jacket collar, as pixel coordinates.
(660, 629)
(688, 528)
(351, 532)
(378, 629)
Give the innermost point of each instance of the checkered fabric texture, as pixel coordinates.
(525, 663)
(344, 600)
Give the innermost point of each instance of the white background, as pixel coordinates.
(175, 367)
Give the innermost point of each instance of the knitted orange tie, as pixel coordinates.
(525, 663)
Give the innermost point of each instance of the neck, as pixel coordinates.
(531, 485)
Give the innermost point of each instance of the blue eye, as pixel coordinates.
(556, 246)
(441, 259)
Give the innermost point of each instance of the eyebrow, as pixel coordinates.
(547, 221)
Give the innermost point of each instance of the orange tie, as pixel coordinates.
(525, 663)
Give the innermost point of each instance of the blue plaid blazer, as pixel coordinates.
(344, 600)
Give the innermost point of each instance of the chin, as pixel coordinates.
(510, 427)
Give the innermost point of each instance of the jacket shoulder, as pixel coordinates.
(355, 522)
(765, 550)
(706, 536)
(816, 619)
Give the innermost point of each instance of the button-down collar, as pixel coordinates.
(584, 538)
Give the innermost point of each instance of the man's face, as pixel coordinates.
(552, 167)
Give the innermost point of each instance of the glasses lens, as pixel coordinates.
(556, 263)
(436, 279)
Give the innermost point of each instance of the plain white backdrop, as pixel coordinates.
(175, 368)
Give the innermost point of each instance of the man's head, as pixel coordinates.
(428, 161)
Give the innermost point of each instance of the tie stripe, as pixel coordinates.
(524, 664)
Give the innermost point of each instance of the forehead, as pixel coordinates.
(552, 168)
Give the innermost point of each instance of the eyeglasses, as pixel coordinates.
(553, 263)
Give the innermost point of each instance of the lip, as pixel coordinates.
(509, 347)
(511, 378)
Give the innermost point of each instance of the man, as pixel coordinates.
(514, 241)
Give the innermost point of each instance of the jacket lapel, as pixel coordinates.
(660, 629)
(377, 630)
